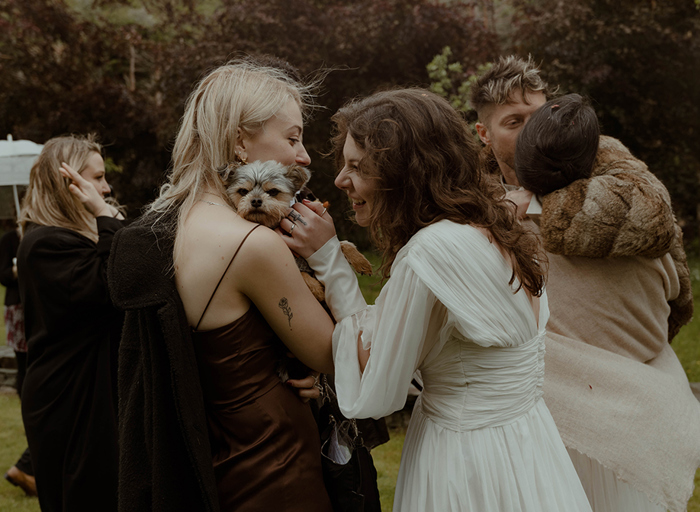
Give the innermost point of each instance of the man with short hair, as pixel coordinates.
(504, 98)
(614, 386)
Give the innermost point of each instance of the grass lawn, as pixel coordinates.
(12, 444)
(386, 457)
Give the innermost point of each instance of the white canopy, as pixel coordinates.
(16, 160)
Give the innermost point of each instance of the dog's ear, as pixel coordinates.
(229, 172)
(298, 175)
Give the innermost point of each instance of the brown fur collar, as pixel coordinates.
(622, 210)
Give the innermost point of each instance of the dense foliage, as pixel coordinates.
(124, 68)
(639, 61)
(63, 70)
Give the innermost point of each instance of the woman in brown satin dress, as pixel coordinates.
(243, 295)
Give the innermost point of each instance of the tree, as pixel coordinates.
(638, 61)
(127, 77)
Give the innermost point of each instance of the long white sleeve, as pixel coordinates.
(396, 330)
(449, 280)
(343, 294)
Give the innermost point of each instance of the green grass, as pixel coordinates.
(386, 460)
(371, 285)
(12, 444)
(687, 343)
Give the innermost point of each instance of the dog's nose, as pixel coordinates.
(256, 203)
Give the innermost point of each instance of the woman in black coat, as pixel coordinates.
(72, 330)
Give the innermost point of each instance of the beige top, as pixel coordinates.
(613, 383)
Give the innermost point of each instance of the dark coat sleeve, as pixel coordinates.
(61, 272)
(165, 456)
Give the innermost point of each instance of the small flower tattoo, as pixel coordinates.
(284, 306)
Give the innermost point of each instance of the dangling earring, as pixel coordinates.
(242, 159)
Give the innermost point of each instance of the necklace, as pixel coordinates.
(212, 203)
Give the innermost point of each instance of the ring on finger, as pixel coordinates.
(324, 212)
(292, 228)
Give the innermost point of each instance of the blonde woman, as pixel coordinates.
(68, 398)
(211, 300)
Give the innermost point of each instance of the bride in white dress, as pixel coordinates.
(464, 307)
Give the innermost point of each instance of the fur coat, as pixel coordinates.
(621, 210)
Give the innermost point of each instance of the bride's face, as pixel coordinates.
(359, 188)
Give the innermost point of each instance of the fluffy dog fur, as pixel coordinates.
(263, 191)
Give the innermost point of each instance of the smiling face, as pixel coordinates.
(94, 172)
(501, 126)
(280, 139)
(360, 189)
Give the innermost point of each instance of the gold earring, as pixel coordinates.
(244, 160)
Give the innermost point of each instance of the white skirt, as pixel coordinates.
(605, 491)
(519, 467)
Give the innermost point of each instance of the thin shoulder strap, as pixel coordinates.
(224, 274)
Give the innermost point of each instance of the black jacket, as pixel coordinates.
(165, 457)
(68, 394)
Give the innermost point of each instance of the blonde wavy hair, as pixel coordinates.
(240, 95)
(48, 201)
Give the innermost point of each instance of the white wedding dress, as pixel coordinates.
(481, 438)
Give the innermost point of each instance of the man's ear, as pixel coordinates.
(483, 133)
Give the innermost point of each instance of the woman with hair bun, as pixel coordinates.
(72, 330)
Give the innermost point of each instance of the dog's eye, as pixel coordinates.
(242, 191)
(273, 192)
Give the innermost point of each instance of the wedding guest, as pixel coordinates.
(68, 397)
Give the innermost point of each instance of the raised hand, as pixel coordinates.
(86, 192)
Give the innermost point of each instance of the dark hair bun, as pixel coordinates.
(558, 145)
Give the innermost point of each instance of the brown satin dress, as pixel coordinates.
(264, 440)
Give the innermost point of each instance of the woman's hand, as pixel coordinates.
(309, 227)
(86, 192)
(307, 388)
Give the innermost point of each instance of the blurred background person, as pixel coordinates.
(72, 330)
(21, 474)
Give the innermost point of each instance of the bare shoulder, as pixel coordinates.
(264, 247)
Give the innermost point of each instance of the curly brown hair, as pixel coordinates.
(426, 163)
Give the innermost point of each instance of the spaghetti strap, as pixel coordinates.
(222, 275)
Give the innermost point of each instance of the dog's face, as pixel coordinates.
(263, 191)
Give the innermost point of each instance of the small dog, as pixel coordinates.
(263, 192)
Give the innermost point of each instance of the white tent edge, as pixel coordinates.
(16, 160)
